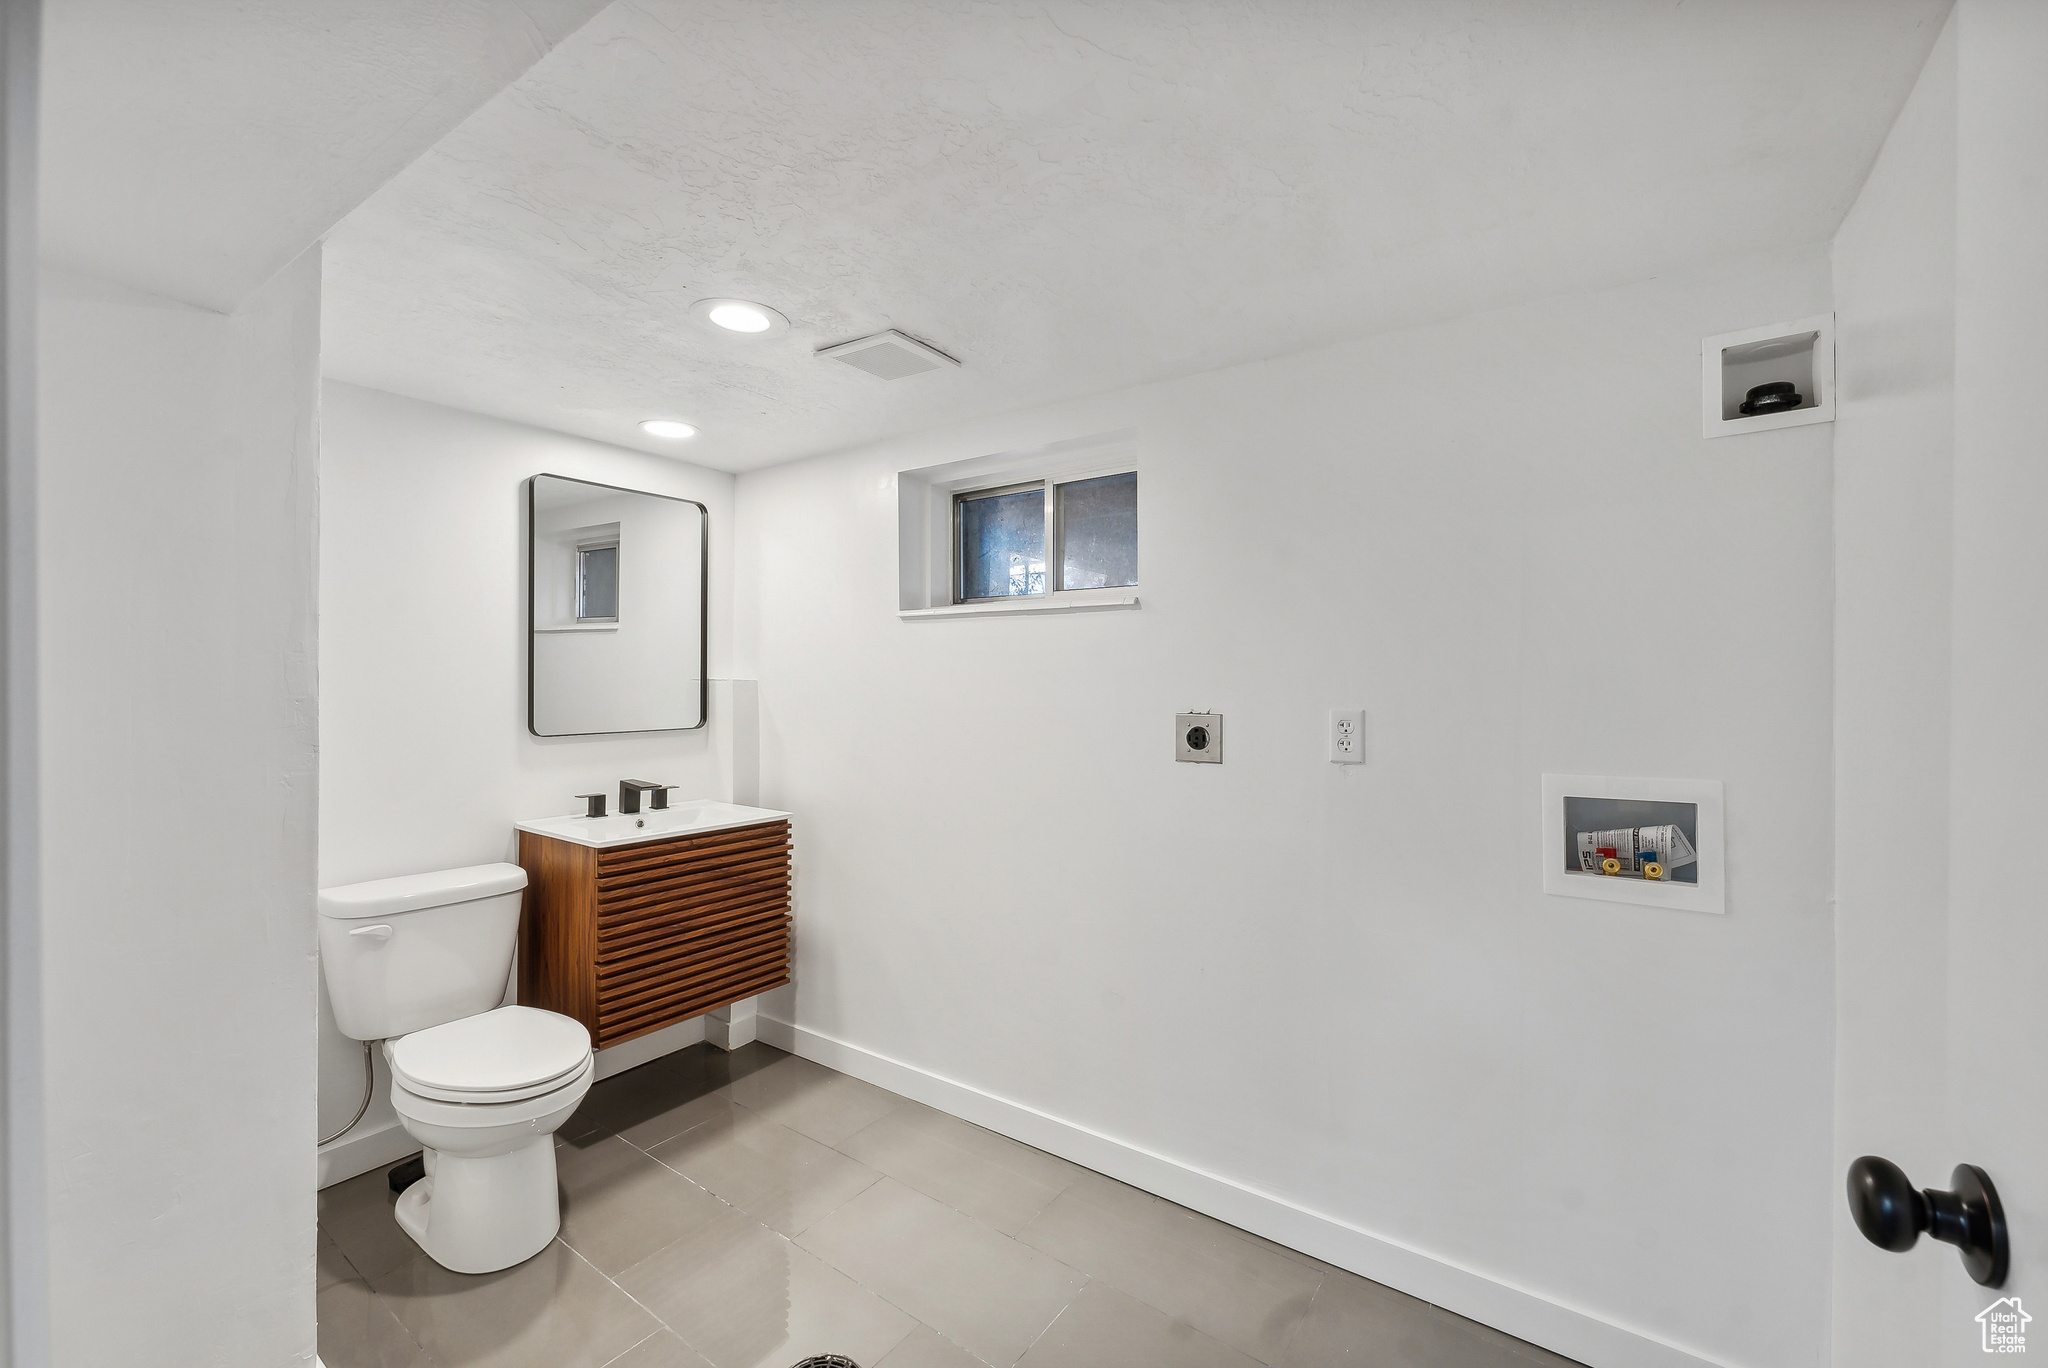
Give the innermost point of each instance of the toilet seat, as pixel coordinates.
(505, 1055)
(488, 1112)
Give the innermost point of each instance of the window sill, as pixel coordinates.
(1061, 604)
(582, 627)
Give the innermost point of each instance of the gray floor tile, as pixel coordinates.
(554, 1309)
(759, 1136)
(1189, 1267)
(927, 1348)
(1012, 1155)
(330, 1265)
(1104, 1327)
(660, 1350)
(637, 1096)
(619, 1206)
(356, 1214)
(1496, 1347)
(782, 1179)
(978, 1288)
(745, 1297)
(1355, 1323)
(684, 1116)
(984, 1175)
(358, 1331)
(1107, 1192)
(1282, 1250)
(1100, 1190)
(820, 1102)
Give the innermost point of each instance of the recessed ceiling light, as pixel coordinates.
(740, 316)
(667, 427)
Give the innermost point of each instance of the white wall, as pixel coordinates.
(1895, 281)
(177, 677)
(426, 759)
(1344, 987)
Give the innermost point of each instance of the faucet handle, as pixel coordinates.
(593, 804)
(660, 795)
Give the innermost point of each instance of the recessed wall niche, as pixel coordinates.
(1650, 842)
(1800, 354)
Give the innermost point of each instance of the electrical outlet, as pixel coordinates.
(1347, 736)
(1198, 738)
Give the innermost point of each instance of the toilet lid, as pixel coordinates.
(493, 1052)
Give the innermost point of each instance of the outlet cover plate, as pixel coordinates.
(1347, 736)
(1198, 738)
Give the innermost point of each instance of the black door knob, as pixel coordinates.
(1891, 1214)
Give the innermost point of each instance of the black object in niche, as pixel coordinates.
(403, 1176)
(1776, 397)
(828, 1361)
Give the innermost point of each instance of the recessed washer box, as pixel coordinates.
(1731, 364)
(1578, 804)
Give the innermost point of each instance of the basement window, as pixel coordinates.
(597, 582)
(1049, 529)
(1045, 538)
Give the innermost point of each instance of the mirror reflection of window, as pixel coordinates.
(597, 583)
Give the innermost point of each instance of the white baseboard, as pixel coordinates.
(637, 1051)
(1562, 1329)
(361, 1151)
(731, 1026)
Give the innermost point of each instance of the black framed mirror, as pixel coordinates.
(616, 600)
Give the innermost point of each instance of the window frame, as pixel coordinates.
(1049, 481)
(583, 549)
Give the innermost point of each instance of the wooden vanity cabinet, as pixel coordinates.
(633, 938)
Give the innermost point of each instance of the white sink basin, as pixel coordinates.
(686, 818)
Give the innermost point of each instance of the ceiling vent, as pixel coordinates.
(889, 355)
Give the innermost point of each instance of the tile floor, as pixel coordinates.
(747, 1210)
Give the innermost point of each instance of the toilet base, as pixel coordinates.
(478, 1215)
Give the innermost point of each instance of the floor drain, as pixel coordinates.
(827, 1361)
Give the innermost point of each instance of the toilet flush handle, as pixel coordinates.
(380, 932)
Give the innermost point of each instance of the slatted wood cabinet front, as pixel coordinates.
(633, 938)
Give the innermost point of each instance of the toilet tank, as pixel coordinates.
(401, 955)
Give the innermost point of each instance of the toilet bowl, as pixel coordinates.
(420, 963)
(484, 1096)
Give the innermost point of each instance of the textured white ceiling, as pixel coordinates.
(1071, 197)
(194, 147)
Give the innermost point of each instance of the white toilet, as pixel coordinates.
(421, 964)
